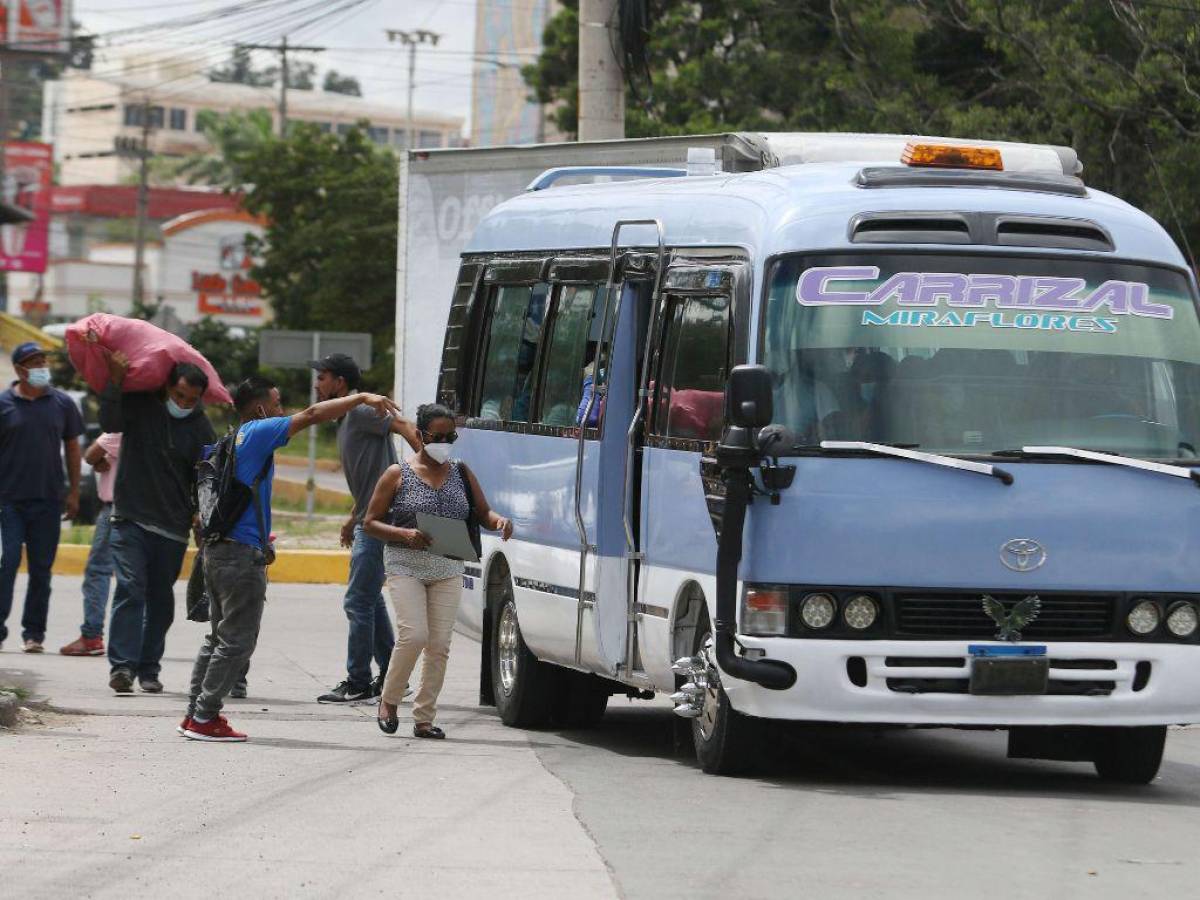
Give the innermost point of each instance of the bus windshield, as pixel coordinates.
(981, 354)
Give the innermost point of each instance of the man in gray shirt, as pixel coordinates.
(366, 450)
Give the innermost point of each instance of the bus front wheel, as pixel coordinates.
(523, 685)
(726, 741)
(1130, 755)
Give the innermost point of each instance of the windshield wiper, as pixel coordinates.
(933, 459)
(1115, 460)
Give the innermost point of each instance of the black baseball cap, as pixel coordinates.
(338, 364)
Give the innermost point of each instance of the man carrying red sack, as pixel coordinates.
(164, 433)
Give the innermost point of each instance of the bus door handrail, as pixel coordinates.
(632, 552)
(597, 391)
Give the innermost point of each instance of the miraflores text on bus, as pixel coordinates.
(1019, 292)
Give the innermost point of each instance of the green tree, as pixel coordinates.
(240, 70)
(234, 358)
(328, 258)
(232, 136)
(337, 83)
(1108, 77)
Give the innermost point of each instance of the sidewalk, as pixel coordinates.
(105, 800)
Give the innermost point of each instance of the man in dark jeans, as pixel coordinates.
(164, 433)
(366, 450)
(39, 426)
(235, 567)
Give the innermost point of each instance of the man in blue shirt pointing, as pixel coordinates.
(235, 566)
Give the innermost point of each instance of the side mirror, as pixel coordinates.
(748, 397)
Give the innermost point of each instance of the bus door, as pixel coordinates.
(693, 354)
(609, 543)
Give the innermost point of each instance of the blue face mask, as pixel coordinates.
(39, 378)
(177, 411)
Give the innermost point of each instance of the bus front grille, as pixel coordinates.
(961, 615)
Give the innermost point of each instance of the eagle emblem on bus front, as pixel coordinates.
(1011, 623)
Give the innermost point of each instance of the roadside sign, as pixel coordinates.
(293, 349)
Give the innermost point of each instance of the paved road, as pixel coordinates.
(321, 803)
(333, 481)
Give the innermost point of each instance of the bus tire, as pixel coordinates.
(522, 685)
(1130, 755)
(726, 741)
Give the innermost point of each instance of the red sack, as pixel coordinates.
(151, 353)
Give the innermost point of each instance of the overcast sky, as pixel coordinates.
(356, 41)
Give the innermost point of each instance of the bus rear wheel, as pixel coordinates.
(1130, 755)
(523, 685)
(726, 741)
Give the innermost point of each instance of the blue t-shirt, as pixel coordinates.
(31, 444)
(256, 443)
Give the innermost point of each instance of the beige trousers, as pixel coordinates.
(425, 616)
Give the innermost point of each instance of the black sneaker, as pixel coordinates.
(150, 684)
(121, 681)
(377, 687)
(346, 693)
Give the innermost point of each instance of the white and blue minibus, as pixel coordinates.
(906, 435)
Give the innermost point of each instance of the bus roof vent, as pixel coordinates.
(910, 228)
(1061, 234)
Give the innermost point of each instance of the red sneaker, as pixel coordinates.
(183, 726)
(217, 729)
(84, 646)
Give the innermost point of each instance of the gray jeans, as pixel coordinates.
(236, 576)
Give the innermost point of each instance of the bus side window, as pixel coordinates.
(695, 366)
(566, 354)
(514, 335)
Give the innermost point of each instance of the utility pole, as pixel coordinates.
(142, 151)
(601, 83)
(412, 39)
(283, 48)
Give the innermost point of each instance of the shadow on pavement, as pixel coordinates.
(868, 761)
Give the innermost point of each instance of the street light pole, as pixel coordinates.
(412, 39)
(143, 205)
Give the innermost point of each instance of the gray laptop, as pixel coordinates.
(449, 537)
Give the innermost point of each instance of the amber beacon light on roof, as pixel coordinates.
(951, 156)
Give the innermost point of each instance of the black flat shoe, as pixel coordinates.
(388, 725)
(430, 731)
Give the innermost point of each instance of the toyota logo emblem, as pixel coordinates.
(1023, 555)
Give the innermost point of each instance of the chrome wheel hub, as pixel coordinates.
(698, 698)
(506, 648)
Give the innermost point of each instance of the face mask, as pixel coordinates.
(177, 411)
(868, 392)
(439, 453)
(39, 378)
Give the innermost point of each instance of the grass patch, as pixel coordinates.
(77, 534)
(20, 692)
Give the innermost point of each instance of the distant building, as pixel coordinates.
(509, 34)
(84, 114)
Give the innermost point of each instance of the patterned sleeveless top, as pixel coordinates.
(412, 497)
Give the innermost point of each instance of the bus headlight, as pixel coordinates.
(1144, 618)
(1182, 620)
(818, 610)
(764, 611)
(860, 612)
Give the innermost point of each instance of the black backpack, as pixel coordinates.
(221, 498)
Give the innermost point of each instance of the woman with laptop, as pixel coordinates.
(425, 586)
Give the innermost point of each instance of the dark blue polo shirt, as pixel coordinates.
(31, 437)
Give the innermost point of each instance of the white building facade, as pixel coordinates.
(85, 114)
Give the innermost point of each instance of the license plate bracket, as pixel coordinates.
(1009, 670)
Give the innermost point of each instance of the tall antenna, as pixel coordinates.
(1187, 247)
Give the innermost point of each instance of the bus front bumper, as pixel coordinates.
(927, 683)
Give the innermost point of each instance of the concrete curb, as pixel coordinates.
(291, 566)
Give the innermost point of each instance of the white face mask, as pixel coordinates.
(39, 378)
(439, 453)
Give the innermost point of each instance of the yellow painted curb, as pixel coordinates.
(291, 566)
